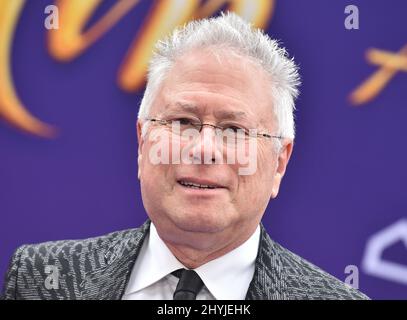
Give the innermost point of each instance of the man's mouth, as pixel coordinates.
(198, 185)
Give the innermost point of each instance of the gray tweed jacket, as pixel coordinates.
(99, 268)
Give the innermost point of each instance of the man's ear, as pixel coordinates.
(282, 162)
(140, 140)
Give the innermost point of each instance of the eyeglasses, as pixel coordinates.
(230, 133)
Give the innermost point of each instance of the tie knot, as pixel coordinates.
(188, 286)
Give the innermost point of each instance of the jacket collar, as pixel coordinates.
(269, 279)
(109, 281)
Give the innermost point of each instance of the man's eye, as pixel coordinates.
(234, 128)
(183, 121)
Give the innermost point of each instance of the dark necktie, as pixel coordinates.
(188, 286)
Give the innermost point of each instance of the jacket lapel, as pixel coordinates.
(109, 281)
(269, 281)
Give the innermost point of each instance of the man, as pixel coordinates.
(215, 134)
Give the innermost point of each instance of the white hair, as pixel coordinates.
(230, 31)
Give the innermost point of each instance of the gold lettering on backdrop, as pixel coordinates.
(11, 108)
(390, 64)
(70, 40)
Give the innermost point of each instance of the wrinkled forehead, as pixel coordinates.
(219, 65)
(220, 81)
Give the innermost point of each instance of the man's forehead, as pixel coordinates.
(212, 57)
(221, 72)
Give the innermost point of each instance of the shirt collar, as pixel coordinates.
(227, 277)
(155, 261)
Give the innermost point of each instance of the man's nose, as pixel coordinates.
(207, 147)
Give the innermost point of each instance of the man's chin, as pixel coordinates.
(198, 223)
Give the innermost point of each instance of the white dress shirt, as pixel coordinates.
(225, 278)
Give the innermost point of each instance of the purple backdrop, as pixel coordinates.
(344, 184)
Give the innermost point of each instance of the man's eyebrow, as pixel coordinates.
(232, 115)
(187, 106)
(220, 114)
